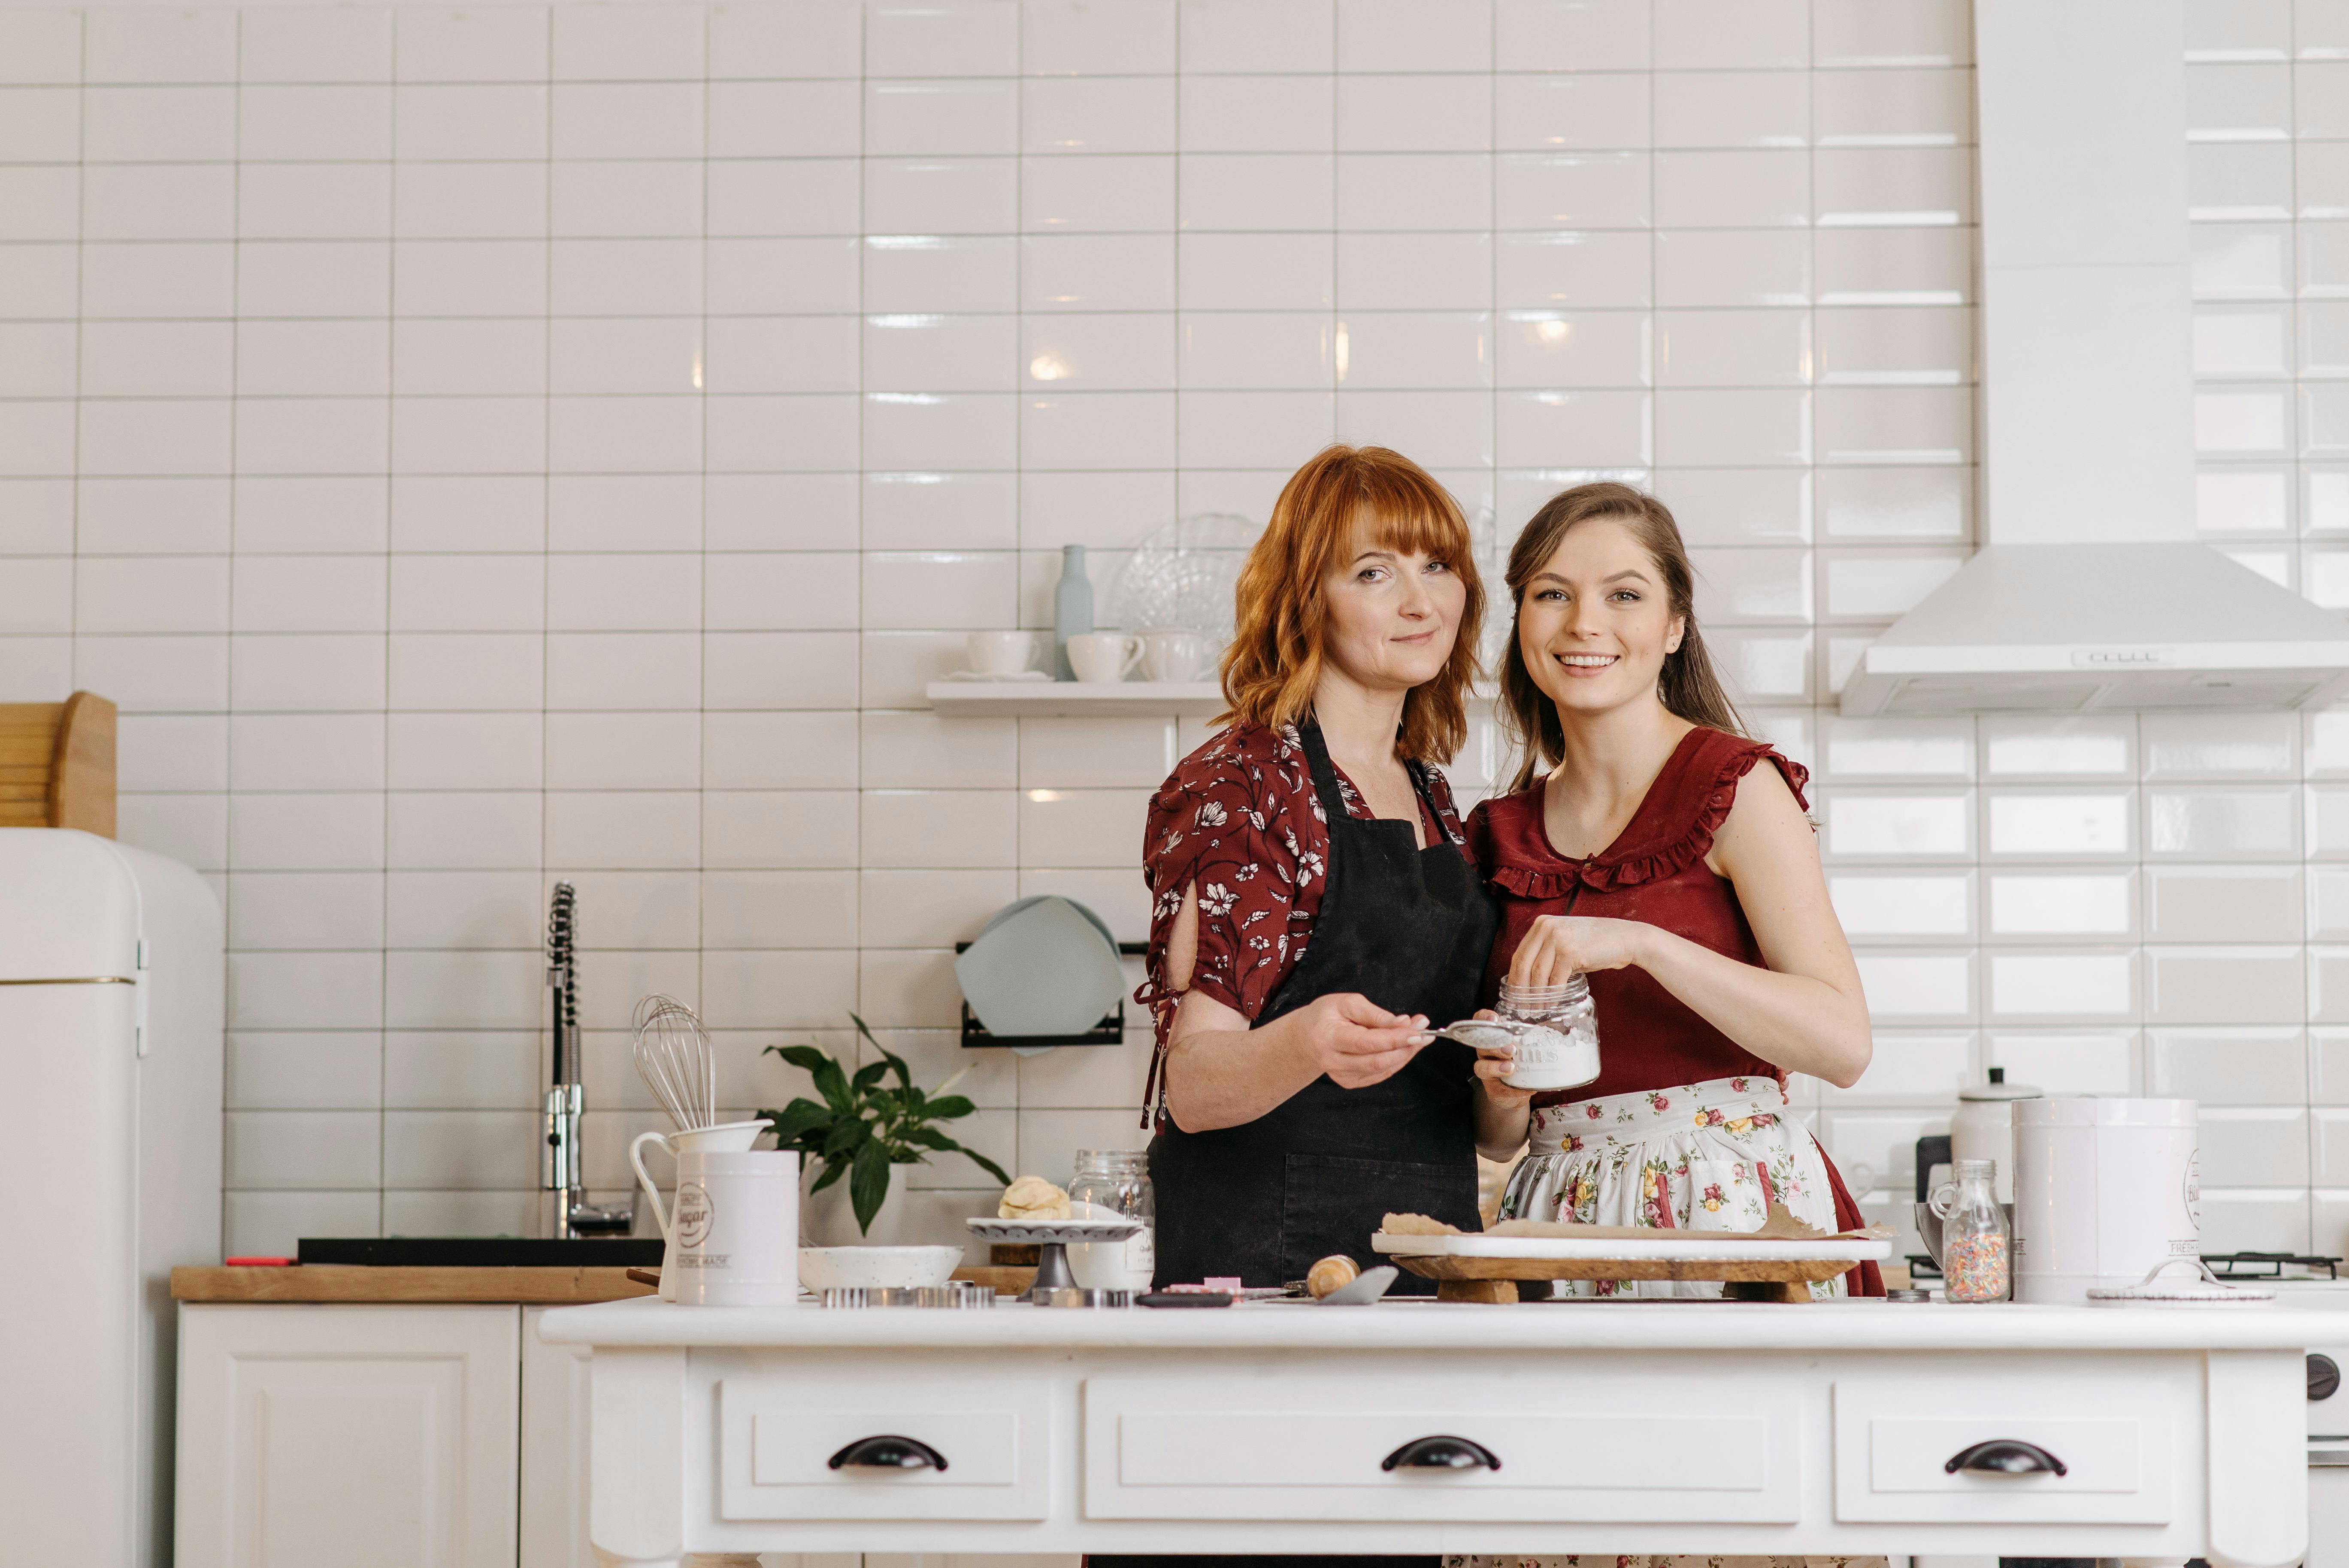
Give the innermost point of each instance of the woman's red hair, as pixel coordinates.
(1346, 499)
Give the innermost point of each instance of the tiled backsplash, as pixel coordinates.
(482, 446)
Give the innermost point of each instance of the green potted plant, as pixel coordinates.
(863, 1125)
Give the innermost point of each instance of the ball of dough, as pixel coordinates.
(1333, 1272)
(1032, 1198)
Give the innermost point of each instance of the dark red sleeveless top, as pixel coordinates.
(1653, 871)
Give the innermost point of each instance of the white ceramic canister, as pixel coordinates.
(2103, 1190)
(726, 1137)
(734, 1236)
(1984, 1127)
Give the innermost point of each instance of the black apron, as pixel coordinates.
(1410, 929)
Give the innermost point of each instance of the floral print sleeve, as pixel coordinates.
(1239, 818)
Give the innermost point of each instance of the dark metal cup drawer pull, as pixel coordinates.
(2007, 1456)
(889, 1453)
(1442, 1453)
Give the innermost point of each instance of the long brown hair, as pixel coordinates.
(1687, 683)
(1275, 659)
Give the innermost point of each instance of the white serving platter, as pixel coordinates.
(1684, 1246)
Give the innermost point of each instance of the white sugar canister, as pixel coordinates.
(1984, 1127)
(2103, 1190)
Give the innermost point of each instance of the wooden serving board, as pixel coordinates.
(355, 1282)
(1749, 1269)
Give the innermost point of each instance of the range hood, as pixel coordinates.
(2090, 591)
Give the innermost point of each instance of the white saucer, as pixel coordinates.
(977, 675)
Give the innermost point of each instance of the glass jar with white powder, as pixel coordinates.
(1563, 1052)
(1114, 1185)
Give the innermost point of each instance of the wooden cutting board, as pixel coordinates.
(57, 764)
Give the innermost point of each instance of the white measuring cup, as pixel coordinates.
(727, 1138)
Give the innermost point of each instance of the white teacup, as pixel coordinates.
(1104, 657)
(998, 653)
(727, 1138)
(1174, 653)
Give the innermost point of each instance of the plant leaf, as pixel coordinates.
(931, 1138)
(951, 1107)
(797, 1121)
(807, 1059)
(847, 1134)
(868, 1183)
(868, 1075)
(833, 1169)
(889, 1059)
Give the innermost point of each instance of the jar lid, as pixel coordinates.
(1998, 1088)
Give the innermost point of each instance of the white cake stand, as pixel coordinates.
(1053, 1236)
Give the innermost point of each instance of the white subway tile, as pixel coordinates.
(625, 435)
(469, 357)
(2213, 823)
(1109, 271)
(339, 1070)
(1925, 988)
(1708, 34)
(318, 831)
(173, 752)
(2068, 985)
(605, 120)
(2239, 1066)
(1266, 190)
(337, 673)
(1895, 504)
(1586, 190)
(154, 437)
(943, 196)
(919, 750)
(464, 990)
(2223, 904)
(477, 278)
(304, 1149)
(1097, 195)
(612, 200)
(2244, 1146)
(784, 197)
(1074, 828)
(158, 124)
(921, 828)
(2101, 1062)
(802, 989)
(1258, 114)
(149, 593)
(305, 911)
(1414, 113)
(2084, 906)
(41, 45)
(639, 830)
(2071, 825)
(628, 43)
(1399, 271)
(928, 909)
(623, 751)
(468, 435)
(624, 670)
(1902, 908)
(781, 669)
(305, 751)
(2231, 984)
(462, 831)
(460, 672)
(338, 513)
(309, 594)
(467, 1151)
(1903, 824)
(1251, 429)
(304, 990)
(1912, 1064)
(770, 909)
(751, 830)
(472, 1071)
(1098, 430)
(463, 909)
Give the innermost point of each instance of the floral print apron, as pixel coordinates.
(1702, 1156)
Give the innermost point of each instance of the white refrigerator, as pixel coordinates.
(111, 1018)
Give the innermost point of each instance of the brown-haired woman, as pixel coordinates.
(1316, 904)
(1646, 847)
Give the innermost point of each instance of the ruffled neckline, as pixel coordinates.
(1671, 831)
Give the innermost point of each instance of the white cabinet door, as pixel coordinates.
(554, 1388)
(347, 1437)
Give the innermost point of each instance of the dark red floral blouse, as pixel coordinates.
(1239, 817)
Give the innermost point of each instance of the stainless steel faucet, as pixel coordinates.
(561, 1171)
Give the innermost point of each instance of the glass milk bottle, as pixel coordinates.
(1114, 1185)
(1976, 1250)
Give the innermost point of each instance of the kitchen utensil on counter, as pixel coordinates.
(727, 1138)
(1976, 1250)
(1114, 1185)
(1053, 1236)
(1333, 1272)
(1362, 1290)
(1185, 1298)
(892, 1268)
(734, 1233)
(1175, 654)
(1044, 968)
(1072, 607)
(2200, 1287)
(1984, 1127)
(1000, 654)
(674, 1058)
(1104, 657)
(2103, 1190)
(1080, 1296)
(953, 1294)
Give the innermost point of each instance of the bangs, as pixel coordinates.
(1410, 514)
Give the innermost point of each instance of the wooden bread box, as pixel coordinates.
(57, 764)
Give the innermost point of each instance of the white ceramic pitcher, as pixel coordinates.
(727, 1138)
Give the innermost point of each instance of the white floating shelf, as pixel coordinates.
(1074, 699)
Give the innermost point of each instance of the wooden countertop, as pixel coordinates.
(352, 1283)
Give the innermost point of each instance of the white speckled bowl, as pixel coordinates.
(899, 1268)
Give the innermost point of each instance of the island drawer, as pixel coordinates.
(1276, 1444)
(965, 1448)
(2115, 1438)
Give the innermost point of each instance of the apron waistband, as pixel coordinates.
(1632, 1118)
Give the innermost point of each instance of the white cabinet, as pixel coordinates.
(554, 1450)
(347, 1437)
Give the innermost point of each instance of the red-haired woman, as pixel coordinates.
(1652, 846)
(1316, 906)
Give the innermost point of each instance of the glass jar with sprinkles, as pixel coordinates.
(1976, 1250)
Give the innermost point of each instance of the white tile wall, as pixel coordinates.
(488, 446)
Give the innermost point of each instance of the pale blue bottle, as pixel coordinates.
(1073, 608)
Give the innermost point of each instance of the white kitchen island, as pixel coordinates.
(1619, 1427)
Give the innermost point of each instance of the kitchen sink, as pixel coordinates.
(483, 1251)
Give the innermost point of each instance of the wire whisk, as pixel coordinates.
(675, 1059)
